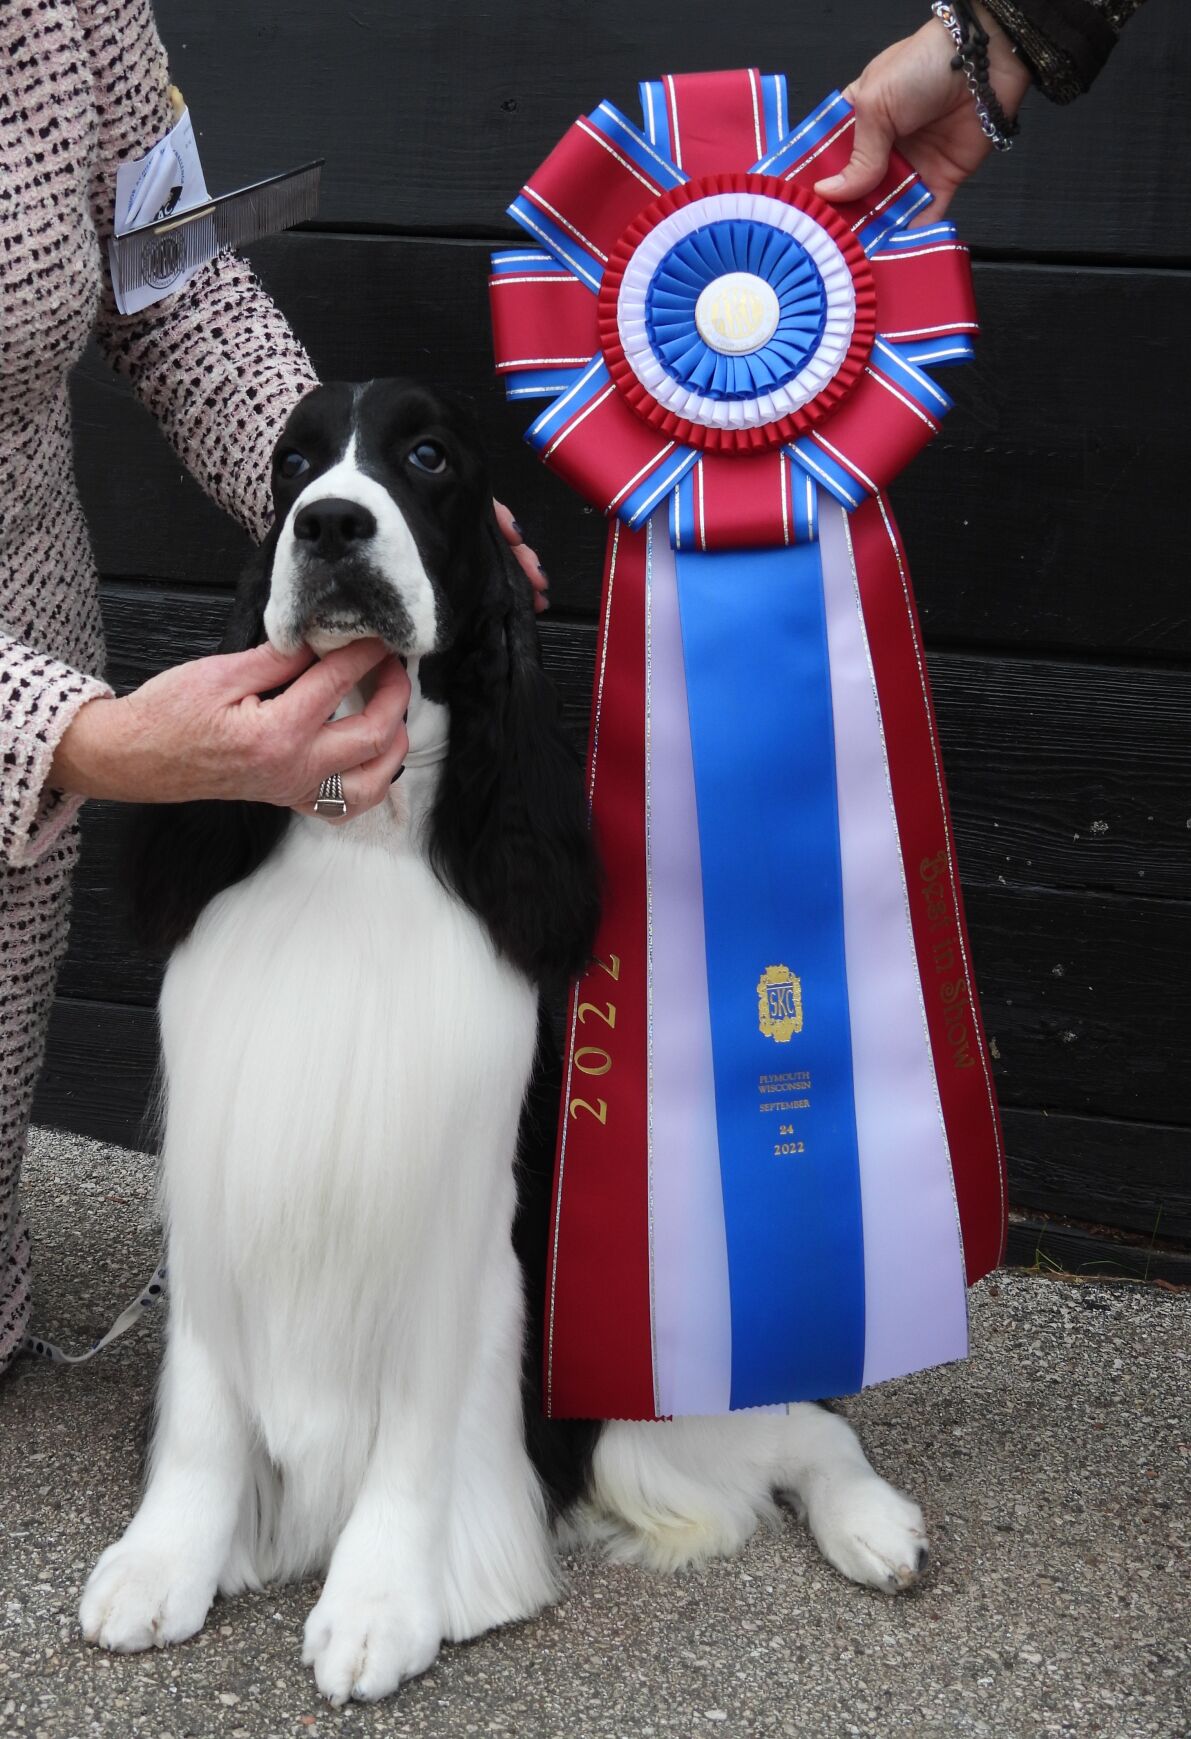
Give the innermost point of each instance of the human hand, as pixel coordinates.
(911, 97)
(204, 730)
(530, 564)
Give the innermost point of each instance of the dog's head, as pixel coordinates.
(382, 505)
(385, 528)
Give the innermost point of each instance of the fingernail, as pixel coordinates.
(518, 528)
(397, 775)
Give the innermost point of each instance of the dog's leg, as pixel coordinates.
(500, 1558)
(674, 1493)
(380, 1617)
(448, 1535)
(156, 1584)
(865, 1527)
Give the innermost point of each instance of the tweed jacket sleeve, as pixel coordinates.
(216, 364)
(1065, 43)
(39, 696)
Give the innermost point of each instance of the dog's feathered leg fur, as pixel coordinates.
(156, 1584)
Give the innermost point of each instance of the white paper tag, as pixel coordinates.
(169, 180)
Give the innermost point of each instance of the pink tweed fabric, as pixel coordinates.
(83, 84)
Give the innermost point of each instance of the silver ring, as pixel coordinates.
(330, 799)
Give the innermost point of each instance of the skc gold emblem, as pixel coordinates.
(738, 316)
(779, 1004)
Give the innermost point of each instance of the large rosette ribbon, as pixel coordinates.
(779, 1153)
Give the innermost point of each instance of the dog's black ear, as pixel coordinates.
(180, 855)
(510, 831)
(245, 626)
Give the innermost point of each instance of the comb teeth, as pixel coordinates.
(264, 210)
(158, 254)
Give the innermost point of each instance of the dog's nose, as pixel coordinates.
(333, 527)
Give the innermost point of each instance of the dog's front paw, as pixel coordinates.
(365, 1644)
(870, 1531)
(143, 1597)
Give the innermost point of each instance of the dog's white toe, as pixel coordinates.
(141, 1597)
(870, 1531)
(364, 1646)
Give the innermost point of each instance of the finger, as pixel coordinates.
(935, 211)
(260, 669)
(374, 727)
(391, 684)
(532, 568)
(311, 700)
(366, 785)
(512, 531)
(370, 747)
(349, 743)
(871, 146)
(360, 738)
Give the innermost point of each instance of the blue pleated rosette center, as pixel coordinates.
(732, 254)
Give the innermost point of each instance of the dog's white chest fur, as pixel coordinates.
(346, 1059)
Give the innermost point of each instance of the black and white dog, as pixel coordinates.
(358, 1082)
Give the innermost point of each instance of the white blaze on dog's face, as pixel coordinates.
(377, 493)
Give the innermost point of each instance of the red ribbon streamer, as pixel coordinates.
(599, 1346)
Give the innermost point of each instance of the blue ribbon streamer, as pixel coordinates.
(755, 653)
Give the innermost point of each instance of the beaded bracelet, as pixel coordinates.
(971, 58)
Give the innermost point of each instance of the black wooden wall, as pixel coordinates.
(1047, 526)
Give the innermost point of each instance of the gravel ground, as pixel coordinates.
(1053, 1468)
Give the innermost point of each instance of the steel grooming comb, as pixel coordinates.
(158, 253)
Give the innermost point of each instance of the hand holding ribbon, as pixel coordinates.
(910, 97)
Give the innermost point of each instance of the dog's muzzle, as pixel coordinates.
(340, 592)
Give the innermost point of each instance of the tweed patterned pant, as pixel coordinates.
(34, 919)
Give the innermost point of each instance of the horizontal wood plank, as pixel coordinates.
(1049, 1246)
(431, 116)
(1067, 774)
(1086, 1000)
(1133, 1175)
(1048, 514)
(99, 1074)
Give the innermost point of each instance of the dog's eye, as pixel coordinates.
(292, 464)
(429, 456)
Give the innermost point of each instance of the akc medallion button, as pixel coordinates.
(737, 313)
